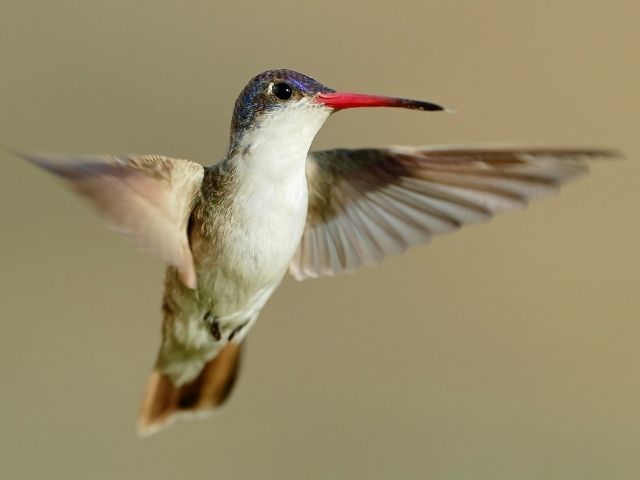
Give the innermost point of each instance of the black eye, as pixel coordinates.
(282, 91)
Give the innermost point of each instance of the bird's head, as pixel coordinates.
(289, 104)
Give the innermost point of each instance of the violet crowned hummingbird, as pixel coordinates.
(230, 232)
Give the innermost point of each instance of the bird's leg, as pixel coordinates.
(214, 326)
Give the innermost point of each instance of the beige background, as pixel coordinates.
(505, 351)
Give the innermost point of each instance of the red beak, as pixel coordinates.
(342, 100)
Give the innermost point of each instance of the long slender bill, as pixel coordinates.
(343, 100)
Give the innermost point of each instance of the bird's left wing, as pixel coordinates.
(367, 203)
(147, 197)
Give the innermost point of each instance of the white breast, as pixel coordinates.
(272, 218)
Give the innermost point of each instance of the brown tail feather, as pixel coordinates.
(163, 401)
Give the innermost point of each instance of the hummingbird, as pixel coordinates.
(230, 232)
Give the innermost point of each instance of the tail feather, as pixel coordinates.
(163, 402)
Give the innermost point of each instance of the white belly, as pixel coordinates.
(239, 268)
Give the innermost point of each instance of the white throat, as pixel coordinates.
(278, 147)
(270, 199)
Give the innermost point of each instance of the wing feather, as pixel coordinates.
(147, 197)
(368, 203)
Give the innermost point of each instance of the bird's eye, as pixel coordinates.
(282, 91)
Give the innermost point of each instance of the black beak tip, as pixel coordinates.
(429, 107)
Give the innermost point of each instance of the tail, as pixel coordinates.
(163, 402)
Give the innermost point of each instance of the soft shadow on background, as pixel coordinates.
(505, 351)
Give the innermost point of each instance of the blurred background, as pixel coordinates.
(504, 351)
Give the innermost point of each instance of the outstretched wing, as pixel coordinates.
(148, 197)
(368, 203)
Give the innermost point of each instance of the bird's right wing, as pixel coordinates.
(367, 203)
(147, 197)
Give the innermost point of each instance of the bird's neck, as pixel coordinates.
(277, 147)
(266, 195)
